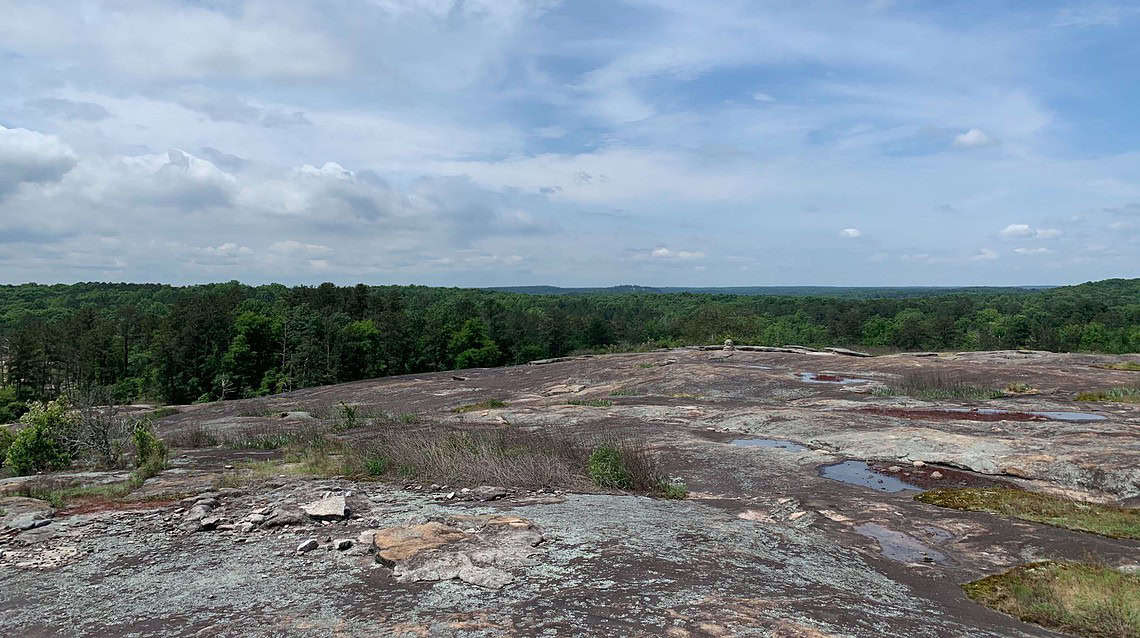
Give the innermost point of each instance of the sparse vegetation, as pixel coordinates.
(1105, 520)
(937, 386)
(1115, 395)
(1093, 601)
(647, 365)
(195, 436)
(623, 392)
(1128, 366)
(489, 404)
(163, 412)
(591, 403)
(1019, 388)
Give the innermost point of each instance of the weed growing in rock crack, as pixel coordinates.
(1116, 395)
(489, 404)
(591, 403)
(1105, 520)
(622, 392)
(1090, 600)
(647, 365)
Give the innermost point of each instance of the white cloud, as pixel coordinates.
(984, 254)
(31, 157)
(665, 253)
(850, 232)
(972, 138)
(1048, 233)
(760, 96)
(1031, 251)
(1017, 231)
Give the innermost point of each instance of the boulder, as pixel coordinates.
(308, 546)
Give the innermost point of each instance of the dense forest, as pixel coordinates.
(222, 341)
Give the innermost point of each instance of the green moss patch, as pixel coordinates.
(1106, 520)
(1094, 601)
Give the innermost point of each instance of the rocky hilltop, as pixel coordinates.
(801, 469)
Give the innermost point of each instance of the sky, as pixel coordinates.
(575, 143)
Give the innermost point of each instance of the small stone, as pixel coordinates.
(343, 544)
(936, 475)
(918, 464)
(256, 519)
(894, 468)
(246, 528)
(227, 467)
(308, 546)
(450, 495)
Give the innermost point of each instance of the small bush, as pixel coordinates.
(347, 417)
(1019, 388)
(1127, 366)
(150, 453)
(163, 412)
(40, 446)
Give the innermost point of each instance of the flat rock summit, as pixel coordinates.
(800, 520)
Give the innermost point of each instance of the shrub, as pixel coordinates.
(148, 447)
(39, 446)
(1119, 395)
(489, 404)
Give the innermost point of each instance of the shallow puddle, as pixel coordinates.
(1076, 417)
(820, 377)
(898, 546)
(861, 474)
(791, 446)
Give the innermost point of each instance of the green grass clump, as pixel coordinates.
(163, 412)
(623, 392)
(1105, 520)
(1116, 395)
(606, 468)
(591, 403)
(1093, 601)
(1128, 366)
(677, 491)
(489, 404)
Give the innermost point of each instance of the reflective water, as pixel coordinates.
(819, 377)
(861, 474)
(898, 546)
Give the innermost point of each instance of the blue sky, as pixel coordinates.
(501, 142)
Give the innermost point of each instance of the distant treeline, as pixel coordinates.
(181, 344)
